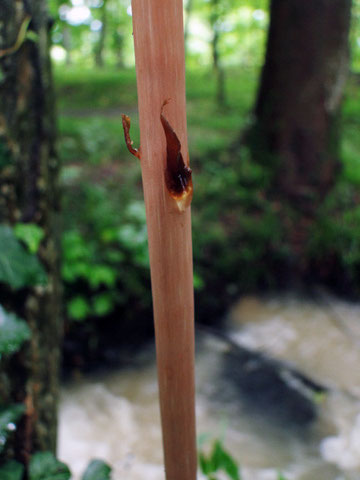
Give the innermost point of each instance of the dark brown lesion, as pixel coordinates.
(129, 143)
(177, 174)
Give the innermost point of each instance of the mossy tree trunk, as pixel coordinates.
(29, 194)
(296, 130)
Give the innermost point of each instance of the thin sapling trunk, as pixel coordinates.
(167, 183)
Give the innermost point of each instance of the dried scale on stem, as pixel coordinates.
(178, 176)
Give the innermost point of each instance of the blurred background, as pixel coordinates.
(273, 109)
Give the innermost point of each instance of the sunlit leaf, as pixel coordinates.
(102, 275)
(31, 234)
(78, 308)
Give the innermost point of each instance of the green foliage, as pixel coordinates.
(78, 308)
(31, 234)
(218, 460)
(18, 268)
(108, 258)
(45, 466)
(336, 234)
(350, 138)
(14, 332)
(97, 470)
(11, 470)
(354, 36)
(236, 228)
(105, 241)
(107, 88)
(9, 415)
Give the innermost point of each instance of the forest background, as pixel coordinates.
(262, 219)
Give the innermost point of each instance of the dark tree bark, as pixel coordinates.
(29, 193)
(297, 108)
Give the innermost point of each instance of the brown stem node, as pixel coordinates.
(129, 143)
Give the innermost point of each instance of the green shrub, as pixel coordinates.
(45, 466)
(105, 254)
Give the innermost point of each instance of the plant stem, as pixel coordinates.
(159, 53)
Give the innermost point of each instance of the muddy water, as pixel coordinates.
(115, 416)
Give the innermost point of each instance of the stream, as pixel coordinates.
(280, 386)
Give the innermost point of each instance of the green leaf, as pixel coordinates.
(216, 456)
(11, 470)
(103, 304)
(31, 234)
(219, 459)
(97, 470)
(45, 466)
(13, 332)
(225, 462)
(9, 415)
(75, 247)
(78, 308)
(18, 268)
(102, 275)
(205, 464)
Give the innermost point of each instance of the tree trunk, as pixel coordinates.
(188, 11)
(67, 43)
(99, 54)
(296, 114)
(218, 70)
(29, 193)
(217, 67)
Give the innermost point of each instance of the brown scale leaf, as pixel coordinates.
(177, 175)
